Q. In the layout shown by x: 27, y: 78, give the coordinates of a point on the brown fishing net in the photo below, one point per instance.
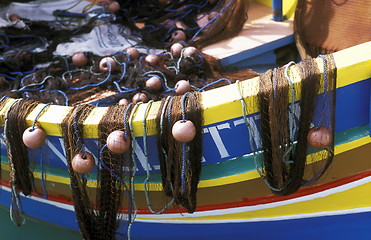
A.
x: 72, y: 130
x: 101, y: 218
x: 327, y: 26
x: 173, y: 154
x: 31, y: 69
x: 200, y: 23
x: 20, y: 173
x: 113, y: 192
x: 285, y: 125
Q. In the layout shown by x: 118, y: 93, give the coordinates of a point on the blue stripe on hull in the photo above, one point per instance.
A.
x: 339, y: 227
x: 45, y: 212
x: 349, y: 226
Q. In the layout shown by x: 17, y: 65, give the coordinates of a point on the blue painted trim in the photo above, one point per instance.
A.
x: 242, y: 56
x: 262, y: 59
x: 277, y: 10
x: 338, y: 227
x: 341, y: 227
x: 353, y: 105
x: 228, y: 139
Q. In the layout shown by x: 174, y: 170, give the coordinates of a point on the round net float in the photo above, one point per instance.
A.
x: 211, y: 15
x: 106, y: 63
x: 183, y: 131
x: 190, y: 51
x: 14, y: 17
x: 176, y: 49
x: 319, y: 137
x: 182, y: 86
x: 83, y: 164
x: 152, y: 59
x: 117, y: 143
x: 154, y: 83
x: 113, y: 6
x: 178, y: 35
x: 140, y: 97
x: 132, y: 52
x: 124, y: 102
x: 164, y: 2
x: 168, y: 24
x: 34, y: 138
x: 79, y: 59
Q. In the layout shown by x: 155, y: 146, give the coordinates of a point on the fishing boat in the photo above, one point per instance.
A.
x: 236, y: 197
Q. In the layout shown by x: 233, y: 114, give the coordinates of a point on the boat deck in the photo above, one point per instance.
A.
x: 257, y: 41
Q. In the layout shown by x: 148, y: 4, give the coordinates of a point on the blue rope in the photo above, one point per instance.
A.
x: 183, y: 106
x: 169, y: 110
x: 27, y: 89
x: 45, y: 196
x: 325, y: 83
x: 7, y: 76
x: 24, y: 78
x: 212, y: 20
x: 251, y: 137
x: 109, y: 169
x: 123, y: 64
x: 23, y: 73
x: 63, y: 94
x: 161, y: 26
x: 215, y: 82
x: 187, y: 6
x: 160, y: 75
x: 292, y: 121
x: 93, y: 84
x: 163, y: 110
x: 126, y: 119
x: 146, y: 181
x: 324, y: 73
x: 2, y: 98
x: 132, y: 186
x: 184, y: 146
x: 275, y: 83
x: 42, y: 40
x: 39, y: 114
x: 80, y: 143
x: 292, y: 105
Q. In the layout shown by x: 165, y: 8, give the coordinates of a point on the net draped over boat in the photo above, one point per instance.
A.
x: 287, y: 126
x: 27, y: 73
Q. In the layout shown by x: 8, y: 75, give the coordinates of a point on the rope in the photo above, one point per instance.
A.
x: 185, y: 147
x: 80, y: 143
x: 251, y: 137
x: 39, y: 114
x: 15, y: 199
x: 132, y: 187
x: 146, y: 181
x: 45, y: 196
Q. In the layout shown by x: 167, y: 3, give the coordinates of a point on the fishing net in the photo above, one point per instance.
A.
x: 180, y: 162
x: 199, y: 23
x: 287, y: 125
x: 139, y: 41
x: 327, y: 26
x: 35, y: 63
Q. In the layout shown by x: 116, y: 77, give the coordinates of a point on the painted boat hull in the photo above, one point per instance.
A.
x: 233, y: 202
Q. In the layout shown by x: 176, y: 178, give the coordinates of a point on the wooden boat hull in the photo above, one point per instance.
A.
x: 233, y: 202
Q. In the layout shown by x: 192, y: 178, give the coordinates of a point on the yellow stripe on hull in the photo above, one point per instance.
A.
x: 205, y: 183
x: 349, y: 196
x: 220, y: 104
